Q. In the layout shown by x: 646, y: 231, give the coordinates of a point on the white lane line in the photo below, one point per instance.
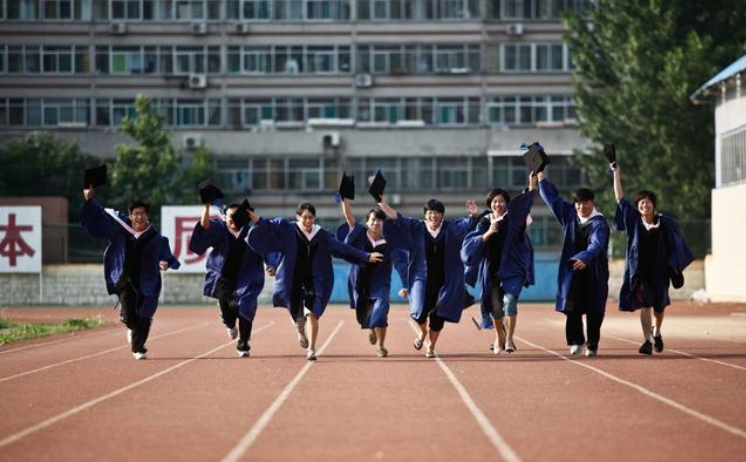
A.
x: 674, y: 404
x: 100, y: 353
x: 72, y: 337
x: 53, y: 420
x: 683, y: 353
x: 251, y: 436
x: 502, y: 446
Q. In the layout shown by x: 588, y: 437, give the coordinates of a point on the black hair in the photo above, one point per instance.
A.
x: 232, y: 205
x: 378, y: 213
x: 494, y: 193
x: 305, y: 206
x: 583, y: 195
x: 139, y: 204
x: 435, y: 205
x: 645, y: 194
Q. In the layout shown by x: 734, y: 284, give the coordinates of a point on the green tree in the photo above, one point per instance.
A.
x: 42, y: 165
x: 151, y: 169
x: 636, y: 62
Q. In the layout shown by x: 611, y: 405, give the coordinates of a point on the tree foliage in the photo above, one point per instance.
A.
x: 151, y: 169
x: 636, y: 62
x: 42, y: 165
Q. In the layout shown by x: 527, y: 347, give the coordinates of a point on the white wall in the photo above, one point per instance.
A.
x: 725, y: 269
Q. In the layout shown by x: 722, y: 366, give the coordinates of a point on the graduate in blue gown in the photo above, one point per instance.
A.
x: 132, y: 261
x: 435, y: 283
x: 305, y: 276
x: 657, y: 254
x: 369, y: 284
x: 501, y: 248
x: 583, y: 280
x: 235, y: 273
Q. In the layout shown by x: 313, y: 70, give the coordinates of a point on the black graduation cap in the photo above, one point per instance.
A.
x: 347, y: 187
x: 94, y: 177
x: 610, y: 153
x: 208, y: 192
x: 536, y: 159
x: 241, y: 215
x: 377, y: 186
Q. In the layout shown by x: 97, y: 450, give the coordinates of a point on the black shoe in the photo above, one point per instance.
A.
x: 646, y: 348
x: 658, y: 343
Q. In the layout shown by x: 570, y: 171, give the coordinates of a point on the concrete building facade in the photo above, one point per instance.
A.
x: 438, y: 94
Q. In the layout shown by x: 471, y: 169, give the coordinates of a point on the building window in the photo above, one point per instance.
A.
x: 526, y: 110
x: 733, y: 151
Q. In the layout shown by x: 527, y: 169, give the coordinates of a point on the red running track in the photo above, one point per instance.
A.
x: 82, y: 397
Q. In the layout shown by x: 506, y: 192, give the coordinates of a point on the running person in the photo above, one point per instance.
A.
x: 502, y: 250
x: 235, y: 273
x: 132, y: 260
x: 369, y: 285
x: 583, y: 279
x: 305, y: 276
x: 656, y: 256
x: 435, y: 285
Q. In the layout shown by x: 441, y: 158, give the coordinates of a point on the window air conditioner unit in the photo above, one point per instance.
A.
x: 192, y: 142
x: 197, y: 81
x: 199, y: 28
x: 119, y: 28
x: 242, y: 28
x: 331, y: 140
x: 515, y: 29
x: 363, y: 80
x: 460, y: 70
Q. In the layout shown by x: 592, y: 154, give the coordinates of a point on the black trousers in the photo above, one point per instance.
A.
x: 229, y: 313
x: 574, y: 328
x: 130, y: 300
x: 302, y: 296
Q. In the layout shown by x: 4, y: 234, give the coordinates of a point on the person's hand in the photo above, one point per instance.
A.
x: 253, y: 216
x: 403, y: 293
x: 533, y: 181
x: 271, y: 270
x: 375, y: 257
x: 541, y: 175
x: 163, y: 265
x: 88, y: 194
x: 472, y: 207
x: 494, y: 227
x: 578, y: 265
x: 614, y: 167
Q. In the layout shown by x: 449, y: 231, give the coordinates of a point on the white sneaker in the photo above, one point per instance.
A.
x: 590, y: 353
x: 243, y: 354
x: 430, y: 353
x: 232, y: 332
x: 576, y: 349
x: 311, y: 355
x: 139, y: 356
x: 510, y: 346
x: 129, y: 336
x: 495, y: 348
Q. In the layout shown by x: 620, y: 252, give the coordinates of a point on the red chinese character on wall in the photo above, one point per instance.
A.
x: 13, y: 245
x: 183, y: 227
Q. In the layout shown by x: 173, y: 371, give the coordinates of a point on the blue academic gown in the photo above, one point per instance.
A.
x: 380, y: 279
x: 278, y: 236
x: 673, y: 255
x: 595, y: 256
x: 250, y: 278
x: 409, y: 233
x: 517, y: 258
x: 102, y: 225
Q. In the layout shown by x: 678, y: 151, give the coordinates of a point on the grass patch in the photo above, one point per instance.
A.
x: 11, y: 331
